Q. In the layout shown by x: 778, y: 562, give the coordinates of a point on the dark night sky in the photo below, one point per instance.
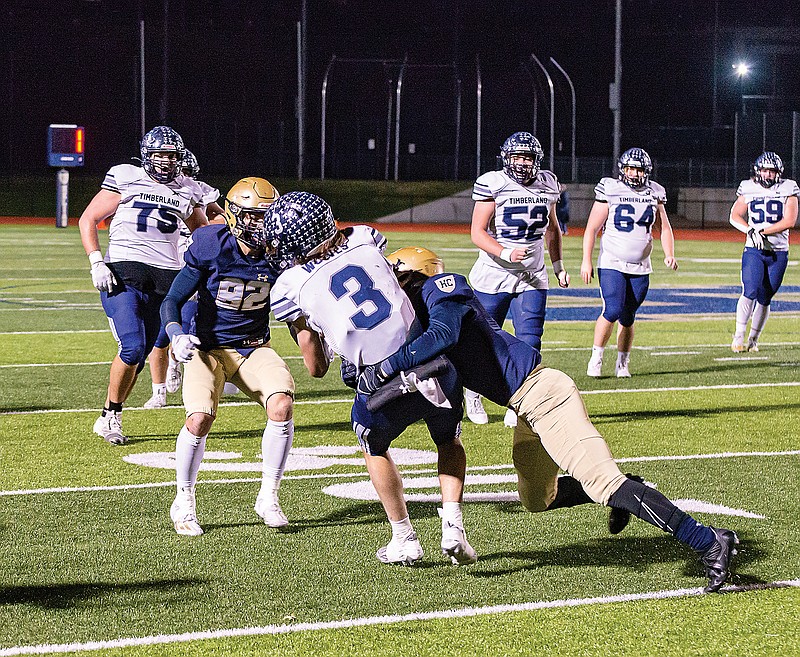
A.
x: 232, y: 73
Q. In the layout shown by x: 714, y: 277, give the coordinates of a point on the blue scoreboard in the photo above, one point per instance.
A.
x: 65, y: 145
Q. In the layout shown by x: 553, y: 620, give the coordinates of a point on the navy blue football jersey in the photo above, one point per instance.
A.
x: 233, y: 295
x: 489, y: 360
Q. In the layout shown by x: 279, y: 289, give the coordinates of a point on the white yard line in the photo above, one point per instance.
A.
x: 363, y: 473
x: 367, y: 621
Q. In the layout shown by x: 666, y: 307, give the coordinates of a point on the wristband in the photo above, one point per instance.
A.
x: 505, y: 254
x: 558, y: 267
x: 95, y: 257
x: 173, y: 329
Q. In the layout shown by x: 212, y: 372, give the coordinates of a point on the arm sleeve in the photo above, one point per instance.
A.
x: 443, y: 332
x: 184, y: 286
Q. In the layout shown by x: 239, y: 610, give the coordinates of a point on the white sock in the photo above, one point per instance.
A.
x: 275, y: 445
x: 623, y: 357
x: 451, y: 511
x: 760, y: 315
x: 597, y: 352
x: 189, y: 450
x: 159, y: 388
x: 744, y: 309
x: 401, y: 528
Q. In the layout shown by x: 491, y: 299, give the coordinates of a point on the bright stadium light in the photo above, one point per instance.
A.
x: 741, y: 69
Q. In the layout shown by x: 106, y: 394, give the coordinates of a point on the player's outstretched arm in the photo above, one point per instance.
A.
x: 315, y: 354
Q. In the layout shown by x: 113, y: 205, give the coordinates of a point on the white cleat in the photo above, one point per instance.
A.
x: 158, y: 400
x: 109, y: 428
x: 269, y: 509
x: 622, y: 370
x: 474, y: 408
x: 595, y: 368
x: 752, y: 345
x: 404, y: 551
x: 174, y: 375
x: 737, y: 346
x: 455, y: 545
x: 183, y: 515
x: 510, y: 419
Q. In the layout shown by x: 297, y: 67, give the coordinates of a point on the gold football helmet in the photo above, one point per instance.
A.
x: 245, y: 205
x: 416, y: 258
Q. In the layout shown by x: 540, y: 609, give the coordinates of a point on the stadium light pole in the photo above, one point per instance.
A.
x: 552, y: 109
x: 574, y: 161
x: 615, y: 95
x: 479, y: 94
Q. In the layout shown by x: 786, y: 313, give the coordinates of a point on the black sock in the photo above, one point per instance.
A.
x: 569, y: 493
x: 648, y: 504
x: 116, y: 407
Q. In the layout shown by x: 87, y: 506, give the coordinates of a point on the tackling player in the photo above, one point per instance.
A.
x: 514, y: 217
x: 227, y: 266
x: 146, y: 204
x: 348, y: 293
x: 627, y: 210
x: 765, y: 210
x: 554, y: 431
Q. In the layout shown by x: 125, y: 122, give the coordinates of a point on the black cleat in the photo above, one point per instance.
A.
x: 716, y: 560
x: 618, y: 519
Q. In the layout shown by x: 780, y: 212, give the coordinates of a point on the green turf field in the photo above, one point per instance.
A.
x: 89, y: 560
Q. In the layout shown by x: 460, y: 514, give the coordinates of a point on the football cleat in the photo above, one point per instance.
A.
x: 622, y: 369
x: 109, y: 427
x: 752, y: 345
x: 455, y: 545
x: 174, y: 375
x: 268, y: 507
x: 183, y: 514
x: 595, y: 368
x: 158, y: 400
x: 510, y: 419
x: 404, y: 551
x: 618, y: 519
x: 716, y: 560
x: 737, y: 346
x: 474, y: 408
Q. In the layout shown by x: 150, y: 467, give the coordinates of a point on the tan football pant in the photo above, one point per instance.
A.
x: 554, y: 431
x: 262, y: 374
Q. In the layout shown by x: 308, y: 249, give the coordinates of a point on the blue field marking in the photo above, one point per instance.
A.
x: 668, y: 301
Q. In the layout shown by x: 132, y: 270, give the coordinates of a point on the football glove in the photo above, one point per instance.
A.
x: 102, y: 277
x: 349, y: 374
x: 183, y: 347
x: 759, y: 240
x: 371, y: 379
x: 561, y: 273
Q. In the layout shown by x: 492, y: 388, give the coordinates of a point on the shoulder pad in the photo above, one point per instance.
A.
x: 206, y: 245
x: 548, y: 180
x: 446, y: 287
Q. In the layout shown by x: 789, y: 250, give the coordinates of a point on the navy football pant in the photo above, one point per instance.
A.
x: 762, y: 273
x: 622, y: 294
x: 527, y: 312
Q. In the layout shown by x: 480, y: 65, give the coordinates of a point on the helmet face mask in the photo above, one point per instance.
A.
x: 162, y: 149
x: 635, y: 167
x: 298, y: 227
x: 768, y: 161
x: 522, y: 156
x: 245, y: 206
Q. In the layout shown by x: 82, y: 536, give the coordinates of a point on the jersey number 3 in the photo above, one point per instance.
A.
x: 363, y: 293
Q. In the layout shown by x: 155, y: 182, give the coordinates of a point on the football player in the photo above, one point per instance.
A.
x: 165, y: 371
x: 227, y: 267
x: 513, y: 219
x: 147, y: 204
x: 765, y: 210
x: 343, y: 285
x: 627, y: 210
x: 553, y: 431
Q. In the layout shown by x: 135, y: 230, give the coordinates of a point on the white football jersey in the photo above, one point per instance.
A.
x: 350, y: 296
x: 145, y: 228
x: 210, y: 195
x: 520, y: 220
x: 765, y: 206
x: 628, y: 231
